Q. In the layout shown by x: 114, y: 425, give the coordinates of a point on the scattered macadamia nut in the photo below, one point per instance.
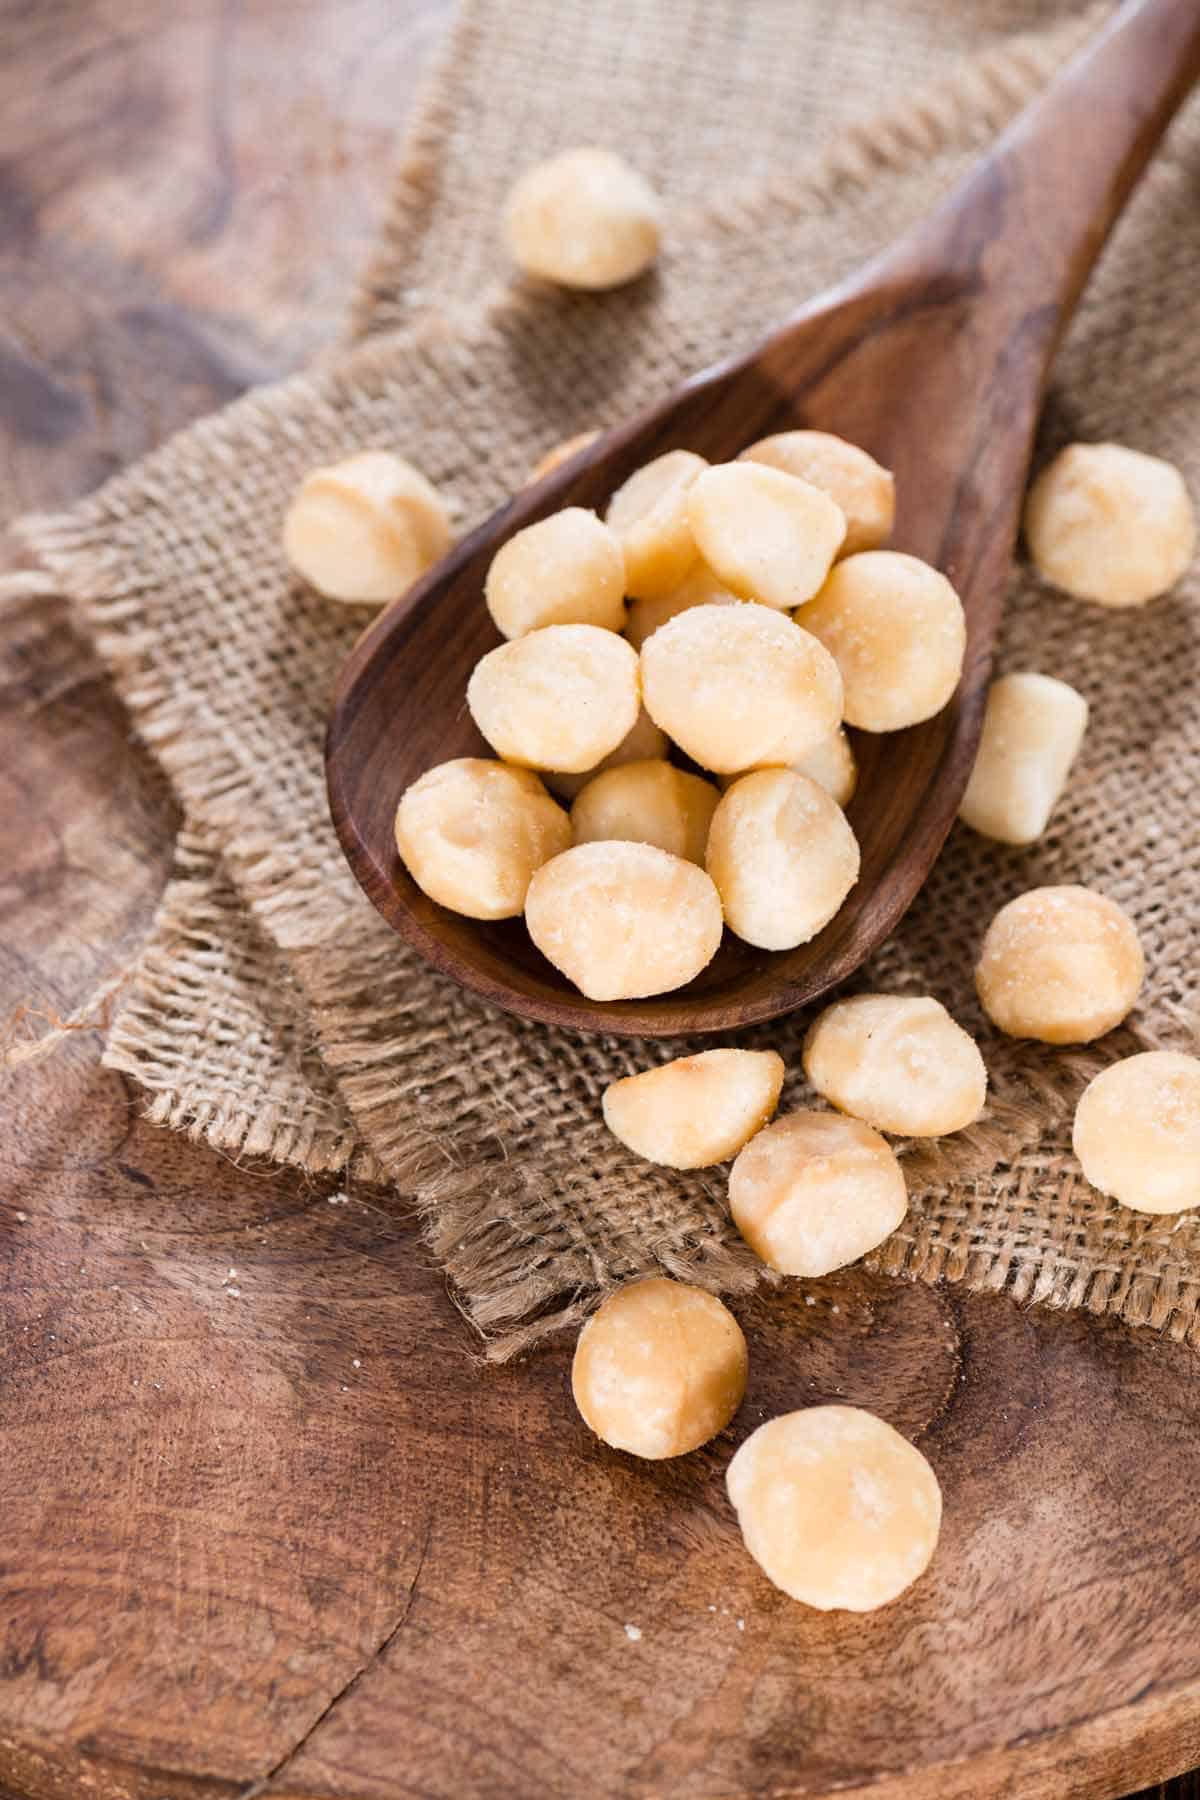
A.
x: 1062, y: 964
x: 1137, y: 1132
x: 740, y: 687
x: 363, y: 530
x: 1109, y: 524
x: 854, y: 481
x: 645, y: 741
x: 564, y: 570
x: 559, y: 698
x: 767, y: 535
x: 899, y: 1062
x: 623, y: 921
x: 700, y: 588
x: 783, y: 857
x: 1032, y: 729
x: 659, y: 1368
x: 471, y: 833
x: 815, y: 1191
x: 835, y: 1507
x: 649, y: 515
x: 584, y: 219
x: 896, y: 630
x: 697, y: 1110
x: 647, y: 803
x: 558, y: 454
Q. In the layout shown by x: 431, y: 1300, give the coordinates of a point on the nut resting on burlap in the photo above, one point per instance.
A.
x: 227, y: 663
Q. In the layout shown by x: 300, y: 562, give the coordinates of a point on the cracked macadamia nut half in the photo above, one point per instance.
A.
x: 561, y: 697
x: 1109, y: 524
x: 697, y: 1110
x: 564, y: 570
x: 854, y: 481
x: 1137, y: 1131
x: 1062, y: 964
x: 364, y: 529
x: 647, y: 803
x: 584, y: 219
x: 659, y: 1369
x: 1032, y: 729
x: 471, y: 833
x: 783, y: 857
x: 649, y: 515
x: 766, y: 535
x: 900, y: 1062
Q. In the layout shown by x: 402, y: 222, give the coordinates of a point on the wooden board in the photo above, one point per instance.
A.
x: 277, y: 1533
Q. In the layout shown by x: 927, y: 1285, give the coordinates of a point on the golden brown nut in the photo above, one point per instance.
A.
x: 767, y: 535
x: 865, y: 491
x: 559, y: 698
x: 584, y: 219
x: 898, y: 1061
x: 647, y: 803
x: 564, y: 570
x: 364, y: 529
x: 1109, y: 524
x: 649, y: 515
x: 1137, y: 1131
x: 659, y: 1369
x: 643, y: 742
x: 1062, y: 964
x: 471, y: 833
x: 1032, y: 730
x: 815, y: 1191
x: 696, y: 1110
x: 700, y: 588
x: 783, y: 857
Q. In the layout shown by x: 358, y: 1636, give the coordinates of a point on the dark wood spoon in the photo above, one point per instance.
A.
x: 935, y: 359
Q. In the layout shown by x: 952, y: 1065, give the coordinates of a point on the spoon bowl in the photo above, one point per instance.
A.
x: 934, y: 358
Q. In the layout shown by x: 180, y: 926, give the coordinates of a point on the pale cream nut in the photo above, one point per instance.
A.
x: 767, y: 535
x: 471, y: 833
x: 584, y: 219
x: 854, y: 481
x: 1110, y: 524
x: 900, y: 1062
x: 644, y: 741
x: 697, y: 1110
x: 623, y: 921
x: 895, y: 627
x: 649, y: 515
x: 1137, y: 1131
x: 1032, y: 729
x: 558, y: 454
x: 831, y: 765
x: 659, y: 1368
x: 835, y: 1507
x: 647, y: 803
x: 364, y: 529
x: 699, y: 588
x: 559, y: 698
x: 783, y: 857
x: 740, y: 687
x: 815, y: 1191
x: 1062, y: 964
x: 567, y: 569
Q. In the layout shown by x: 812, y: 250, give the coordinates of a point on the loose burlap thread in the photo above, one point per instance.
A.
x: 275, y: 1013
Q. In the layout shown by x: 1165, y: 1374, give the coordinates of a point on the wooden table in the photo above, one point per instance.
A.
x: 277, y: 1533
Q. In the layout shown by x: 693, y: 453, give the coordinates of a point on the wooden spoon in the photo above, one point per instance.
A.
x: 935, y: 359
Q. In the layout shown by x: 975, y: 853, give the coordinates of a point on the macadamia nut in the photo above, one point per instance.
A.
x: 559, y: 698
x: 659, y: 1369
x: 583, y: 218
x: 1032, y: 730
x: 854, y: 481
x: 1061, y: 964
x: 767, y: 535
x: 564, y: 570
x: 898, y: 1062
x: 649, y: 515
x: 896, y: 630
x: 835, y: 1507
x: 697, y: 1110
x: 623, y: 921
x: 815, y: 1191
x: 700, y: 588
x: 739, y: 687
x: 471, y: 833
x: 1109, y: 524
x: 558, y: 454
x: 363, y: 530
x: 647, y: 803
x: 643, y: 742
x: 831, y: 765
x: 1137, y: 1131
x: 783, y: 858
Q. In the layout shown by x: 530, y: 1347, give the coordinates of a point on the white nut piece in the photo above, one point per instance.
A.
x: 559, y: 698
x: 564, y: 570
x: 643, y: 742
x: 1110, y: 524
x: 659, y: 1368
x: 363, y: 530
x: 740, y: 687
x: 1062, y: 964
x: 863, y: 488
x: 895, y: 627
x: 471, y: 833
x: 558, y: 454
x: 647, y: 803
x: 767, y: 535
x: 1137, y: 1131
x: 623, y: 921
x: 815, y: 1191
x: 584, y: 219
x: 899, y: 1062
x: 697, y: 1110
x: 783, y: 857
x: 831, y: 765
x: 699, y: 588
x: 1032, y: 729
x: 835, y: 1507
x: 649, y: 515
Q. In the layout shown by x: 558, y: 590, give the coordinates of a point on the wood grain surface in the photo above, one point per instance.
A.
x: 266, y: 1527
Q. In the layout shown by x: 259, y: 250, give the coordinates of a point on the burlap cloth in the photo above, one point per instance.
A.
x: 272, y: 1012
